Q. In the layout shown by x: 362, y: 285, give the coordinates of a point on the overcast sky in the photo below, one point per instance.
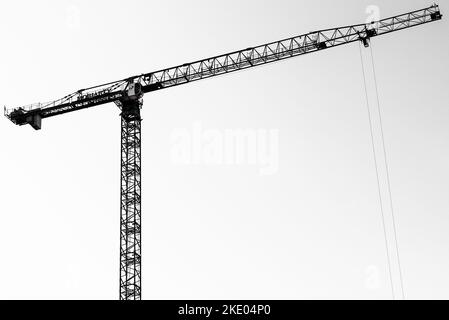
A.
x: 310, y: 229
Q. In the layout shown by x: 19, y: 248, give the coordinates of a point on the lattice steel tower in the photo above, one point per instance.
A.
x: 128, y: 95
x: 131, y: 199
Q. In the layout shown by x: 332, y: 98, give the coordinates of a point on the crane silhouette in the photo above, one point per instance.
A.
x: 128, y: 94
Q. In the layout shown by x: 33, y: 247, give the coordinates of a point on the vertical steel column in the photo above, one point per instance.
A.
x: 130, y: 208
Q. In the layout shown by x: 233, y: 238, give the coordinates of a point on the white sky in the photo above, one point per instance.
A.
x: 312, y: 230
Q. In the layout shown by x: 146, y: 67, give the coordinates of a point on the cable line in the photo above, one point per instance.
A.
x: 377, y: 173
x: 387, y: 168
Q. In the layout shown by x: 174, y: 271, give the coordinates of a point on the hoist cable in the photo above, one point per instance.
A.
x: 387, y: 168
x: 377, y: 173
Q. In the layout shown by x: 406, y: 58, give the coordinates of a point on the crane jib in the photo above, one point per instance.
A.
x: 218, y: 65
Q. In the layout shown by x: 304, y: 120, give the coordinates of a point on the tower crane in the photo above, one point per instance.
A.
x: 128, y: 94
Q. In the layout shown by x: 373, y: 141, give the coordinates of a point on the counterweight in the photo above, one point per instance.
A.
x: 128, y: 94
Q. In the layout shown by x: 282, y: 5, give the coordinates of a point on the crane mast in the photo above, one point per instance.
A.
x: 130, y: 200
x: 128, y: 94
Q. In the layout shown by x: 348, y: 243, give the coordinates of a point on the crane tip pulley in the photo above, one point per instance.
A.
x: 436, y: 15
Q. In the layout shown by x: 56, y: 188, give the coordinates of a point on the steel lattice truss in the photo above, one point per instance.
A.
x: 130, y: 215
x: 235, y: 61
x: 127, y: 94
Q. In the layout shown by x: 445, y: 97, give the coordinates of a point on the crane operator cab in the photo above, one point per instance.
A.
x: 132, y: 102
x: 134, y: 91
